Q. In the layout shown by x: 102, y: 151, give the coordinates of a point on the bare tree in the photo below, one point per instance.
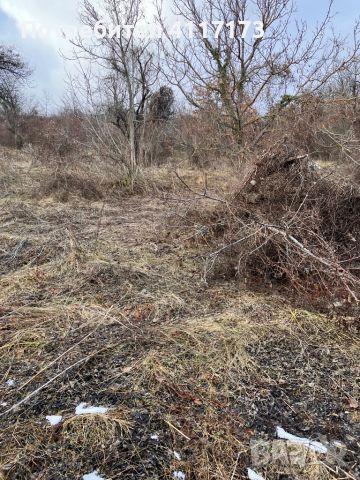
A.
x: 346, y: 84
x: 119, y: 71
x: 11, y: 108
x: 243, y: 69
x: 13, y: 75
x: 12, y: 65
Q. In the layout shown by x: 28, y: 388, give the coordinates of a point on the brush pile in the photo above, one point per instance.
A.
x: 290, y: 224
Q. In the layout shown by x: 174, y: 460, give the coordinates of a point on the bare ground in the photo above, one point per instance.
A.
x: 101, y: 303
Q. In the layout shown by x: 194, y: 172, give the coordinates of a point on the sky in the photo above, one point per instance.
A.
x: 19, y: 18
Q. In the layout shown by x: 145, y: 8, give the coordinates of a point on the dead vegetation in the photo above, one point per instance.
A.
x: 101, y: 303
x: 289, y: 223
x: 179, y: 250
x: 62, y: 184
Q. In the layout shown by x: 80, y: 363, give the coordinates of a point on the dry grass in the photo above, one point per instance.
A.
x: 90, y: 178
x: 101, y: 431
x: 209, y: 368
x: 100, y: 305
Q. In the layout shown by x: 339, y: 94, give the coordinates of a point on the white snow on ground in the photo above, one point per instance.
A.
x: 54, y: 419
x: 253, y: 475
x: 11, y: 383
x: 93, y: 476
x: 84, y: 409
x: 177, y: 455
x: 178, y: 475
x: 316, y: 446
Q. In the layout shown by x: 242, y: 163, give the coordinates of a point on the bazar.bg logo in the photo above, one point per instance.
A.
x: 246, y: 29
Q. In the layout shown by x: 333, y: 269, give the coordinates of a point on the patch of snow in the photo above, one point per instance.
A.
x: 253, y: 475
x: 178, y: 475
x: 338, y: 444
x: 177, y: 455
x: 312, y: 445
x: 154, y: 436
x: 84, y: 409
x: 93, y: 476
x: 54, y: 419
x: 11, y: 383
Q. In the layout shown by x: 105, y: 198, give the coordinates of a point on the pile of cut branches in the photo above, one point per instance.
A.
x: 290, y: 223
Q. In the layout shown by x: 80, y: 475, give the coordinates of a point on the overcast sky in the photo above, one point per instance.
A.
x: 43, y: 52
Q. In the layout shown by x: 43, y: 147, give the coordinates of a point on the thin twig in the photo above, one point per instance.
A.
x: 39, y: 389
x: 57, y: 359
x: 177, y: 430
x: 235, y: 467
x: 194, y: 192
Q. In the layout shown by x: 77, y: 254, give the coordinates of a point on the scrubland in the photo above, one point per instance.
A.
x: 147, y: 304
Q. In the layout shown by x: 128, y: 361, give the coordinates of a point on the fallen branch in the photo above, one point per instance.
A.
x: 338, y: 269
x: 194, y: 192
x: 42, y: 387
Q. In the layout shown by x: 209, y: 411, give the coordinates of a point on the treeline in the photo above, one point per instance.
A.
x: 218, y: 91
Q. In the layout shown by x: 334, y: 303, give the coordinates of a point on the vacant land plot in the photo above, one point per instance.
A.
x: 103, y: 304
